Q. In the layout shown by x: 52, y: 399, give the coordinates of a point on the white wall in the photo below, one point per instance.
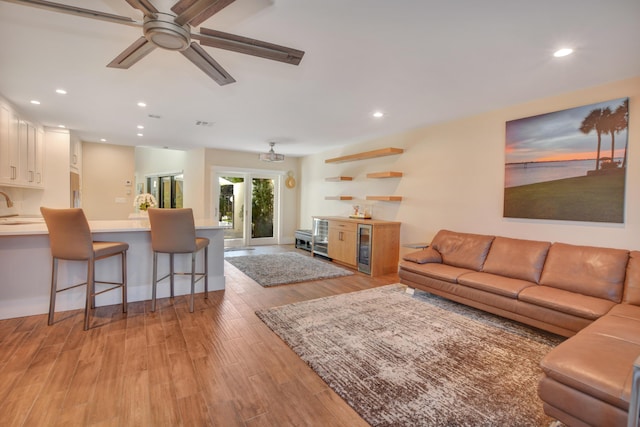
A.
x: 154, y: 161
x: 195, y: 182
x: 454, y: 177
x: 106, y: 170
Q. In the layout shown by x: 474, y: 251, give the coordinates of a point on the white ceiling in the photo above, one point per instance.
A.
x: 419, y: 61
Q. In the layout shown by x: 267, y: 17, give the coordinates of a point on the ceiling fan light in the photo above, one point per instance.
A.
x: 161, y: 31
x: 272, y: 156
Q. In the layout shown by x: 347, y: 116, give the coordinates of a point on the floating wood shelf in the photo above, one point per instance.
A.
x: 386, y: 198
x: 338, y: 198
x: 390, y: 151
x: 339, y: 178
x: 389, y: 174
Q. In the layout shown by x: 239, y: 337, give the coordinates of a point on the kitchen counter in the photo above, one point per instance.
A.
x: 25, y: 265
x: 26, y: 226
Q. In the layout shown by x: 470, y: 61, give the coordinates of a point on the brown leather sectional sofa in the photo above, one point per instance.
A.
x: 589, y: 294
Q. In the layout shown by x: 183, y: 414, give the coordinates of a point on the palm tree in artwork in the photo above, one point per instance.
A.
x: 609, y: 126
x: 594, y: 121
x: 621, y: 122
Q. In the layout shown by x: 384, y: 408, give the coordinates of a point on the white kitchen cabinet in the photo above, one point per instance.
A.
x: 21, y: 151
x: 9, y: 148
x: 39, y: 161
x: 75, y: 154
x: 30, y: 162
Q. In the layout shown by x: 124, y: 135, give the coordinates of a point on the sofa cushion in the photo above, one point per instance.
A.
x: 520, y: 259
x: 632, y: 281
x: 619, y: 327
x: 568, y: 302
x: 462, y: 249
x: 626, y: 310
x: 437, y: 271
x: 423, y: 256
x: 597, y: 272
x: 500, y: 285
x: 596, y: 364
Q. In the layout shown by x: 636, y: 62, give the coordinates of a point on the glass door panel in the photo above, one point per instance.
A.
x: 167, y: 189
x: 264, y: 209
x: 231, y: 207
x: 261, y: 208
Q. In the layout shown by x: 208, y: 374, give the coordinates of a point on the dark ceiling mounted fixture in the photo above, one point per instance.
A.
x: 272, y: 156
x: 170, y: 27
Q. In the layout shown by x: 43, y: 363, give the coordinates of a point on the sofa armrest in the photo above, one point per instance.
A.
x: 634, y: 403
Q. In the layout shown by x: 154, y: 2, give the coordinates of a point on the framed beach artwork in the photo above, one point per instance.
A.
x: 568, y: 165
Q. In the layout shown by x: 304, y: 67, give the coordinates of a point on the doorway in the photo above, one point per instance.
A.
x: 168, y: 189
x: 247, y: 204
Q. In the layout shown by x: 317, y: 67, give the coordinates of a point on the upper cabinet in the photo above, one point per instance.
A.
x: 9, y: 150
x: 75, y: 154
x: 21, y: 151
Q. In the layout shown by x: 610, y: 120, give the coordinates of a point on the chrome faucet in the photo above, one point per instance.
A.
x: 6, y: 196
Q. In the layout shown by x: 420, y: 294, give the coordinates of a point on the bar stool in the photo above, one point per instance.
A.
x: 173, y: 232
x: 70, y: 240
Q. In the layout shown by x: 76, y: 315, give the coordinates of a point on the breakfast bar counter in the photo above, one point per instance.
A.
x: 25, y: 265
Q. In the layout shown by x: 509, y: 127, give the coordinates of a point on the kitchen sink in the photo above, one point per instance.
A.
x: 20, y: 220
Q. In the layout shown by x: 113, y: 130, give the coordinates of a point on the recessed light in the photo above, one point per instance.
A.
x: 140, y: 127
x: 140, y: 134
x: 35, y: 102
x: 61, y: 91
x: 142, y: 104
x: 563, y: 52
x: 103, y: 140
x: 61, y: 126
x: 378, y: 114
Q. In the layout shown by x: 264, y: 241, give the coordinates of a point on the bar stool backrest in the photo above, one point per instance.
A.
x: 69, y: 234
x: 172, y: 230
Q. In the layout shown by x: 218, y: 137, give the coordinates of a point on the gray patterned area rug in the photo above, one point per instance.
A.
x: 418, y: 361
x: 284, y: 268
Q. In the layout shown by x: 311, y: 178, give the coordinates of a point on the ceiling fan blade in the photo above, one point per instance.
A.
x: 195, y: 12
x: 248, y: 46
x: 206, y: 63
x: 134, y: 53
x: 145, y: 6
x: 78, y: 11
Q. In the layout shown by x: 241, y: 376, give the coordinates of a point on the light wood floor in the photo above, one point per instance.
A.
x: 218, y: 366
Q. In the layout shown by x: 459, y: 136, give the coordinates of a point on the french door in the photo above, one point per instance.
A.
x: 247, y: 205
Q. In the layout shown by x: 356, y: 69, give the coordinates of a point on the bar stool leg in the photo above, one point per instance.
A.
x: 93, y: 297
x: 206, y: 271
x: 124, y: 281
x: 90, y: 291
x: 54, y: 288
x: 193, y: 281
x: 155, y: 281
x: 171, y: 273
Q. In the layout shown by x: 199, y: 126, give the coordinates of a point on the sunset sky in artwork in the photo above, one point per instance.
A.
x: 556, y: 137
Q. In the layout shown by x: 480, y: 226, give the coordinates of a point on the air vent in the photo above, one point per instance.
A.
x: 154, y: 116
x: 203, y: 123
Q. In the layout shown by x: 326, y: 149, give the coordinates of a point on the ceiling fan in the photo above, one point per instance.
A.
x: 169, y: 26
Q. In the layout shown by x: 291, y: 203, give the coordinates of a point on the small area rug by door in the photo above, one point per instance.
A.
x: 418, y: 361
x: 286, y: 267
